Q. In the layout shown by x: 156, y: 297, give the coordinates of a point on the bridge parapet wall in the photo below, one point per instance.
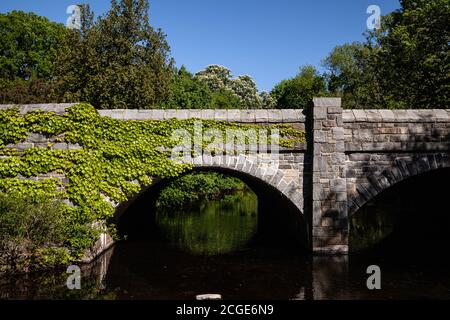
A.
x: 396, y: 130
x: 351, y: 155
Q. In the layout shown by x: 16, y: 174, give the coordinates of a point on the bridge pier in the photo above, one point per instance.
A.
x: 329, y: 185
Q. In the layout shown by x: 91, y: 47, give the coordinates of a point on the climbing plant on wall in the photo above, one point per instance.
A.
x: 110, y: 161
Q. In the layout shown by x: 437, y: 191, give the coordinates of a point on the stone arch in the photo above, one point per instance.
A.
x: 252, y: 166
x: 280, y: 202
x: 240, y: 166
x: 402, y: 168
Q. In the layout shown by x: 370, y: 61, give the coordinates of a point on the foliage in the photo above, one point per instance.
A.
x: 187, y: 92
x: 32, y: 231
x: 405, y: 64
x: 21, y: 91
x: 239, y: 93
x: 412, y: 55
x: 189, y: 189
x: 116, y: 160
x: 225, y: 99
x: 245, y: 88
x: 213, y: 227
x: 212, y: 88
x: 116, y: 61
x: 267, y: 101
x: 29, y: 46
x: 299, y: 91
x: 350, y: 75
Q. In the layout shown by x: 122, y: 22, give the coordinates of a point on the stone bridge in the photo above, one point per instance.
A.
x: 349, y: 157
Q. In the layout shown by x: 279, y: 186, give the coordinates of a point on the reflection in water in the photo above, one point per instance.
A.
x: 212, y: 227
x: 416, y: 217
x: 146, y: 270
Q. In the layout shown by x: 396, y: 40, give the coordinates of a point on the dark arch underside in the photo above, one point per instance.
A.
x: 411, y: 216
x: 280, y: 222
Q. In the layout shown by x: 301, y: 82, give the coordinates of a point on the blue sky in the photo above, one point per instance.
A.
x: 267, y: 39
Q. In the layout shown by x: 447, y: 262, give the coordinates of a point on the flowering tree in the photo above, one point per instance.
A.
x: 220, y: 79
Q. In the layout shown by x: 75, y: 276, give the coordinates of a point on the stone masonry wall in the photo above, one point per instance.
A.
x: 350, y: 157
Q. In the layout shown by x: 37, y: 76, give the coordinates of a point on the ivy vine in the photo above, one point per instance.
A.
x: 116, y: 159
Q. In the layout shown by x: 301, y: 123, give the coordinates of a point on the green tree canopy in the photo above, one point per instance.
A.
x: 352, y: 75
x: 299, y: 91
x: 187, y: 92
x: 413, y: 54
x: 29, y: 45
x: 404, y: 64
x: 116, y: 61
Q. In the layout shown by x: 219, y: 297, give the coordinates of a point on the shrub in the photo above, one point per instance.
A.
x: 32, y: 232
x: 193, y: 187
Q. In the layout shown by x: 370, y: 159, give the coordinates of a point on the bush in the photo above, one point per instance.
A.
x: 31, y: 232
x: 191, y: 188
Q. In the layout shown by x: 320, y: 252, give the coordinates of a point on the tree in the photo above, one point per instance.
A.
x: 245, y: 88
x: 117, y: 61
x: 267, y: 101
x: 413, y: 56
x: 299, y: 91
x: 351, y: 74
x: 225, y: 99
x: 241, y: 91
x: 29, y: 46
x: 404, y: 64
x: 216, y: 77
x: 187, y: 92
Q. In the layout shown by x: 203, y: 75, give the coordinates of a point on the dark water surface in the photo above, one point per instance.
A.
x: 212, y: 249
x: 160, y: 271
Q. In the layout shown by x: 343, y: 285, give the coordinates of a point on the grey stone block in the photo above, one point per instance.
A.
x: 170, y: 114
x: 320, y: 113
x: 248, y: 116
x: 277, y: 178
x: 360, y: 115
x: 338, y: 133
x: 234, y: 115
x: 334, y: 110
x: 36, y: 138
x: 442, y: 115
x: 60, y: 146
x: 373, y: 115
x: 181, y: 114
x: 261, y: 116
x: 207, y: 114
x: 348, y: 116
x: 130, y: 114
x: 194, y: 114
x: 221, y: 115
x: 289, y: 115
x: 387, y: 115
x: 327, y: 102
x: 114, y: 114
x: 144, y: 114
x: 21, y: 146
x: 274, y: 115
x: 74, y: 146
x: 158, y: 114
x: 338, y: 185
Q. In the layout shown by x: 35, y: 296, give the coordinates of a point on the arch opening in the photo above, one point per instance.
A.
x: 276, y: 223
x: 411, y: 217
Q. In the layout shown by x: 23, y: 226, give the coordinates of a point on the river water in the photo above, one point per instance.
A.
x: 210, y: 249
